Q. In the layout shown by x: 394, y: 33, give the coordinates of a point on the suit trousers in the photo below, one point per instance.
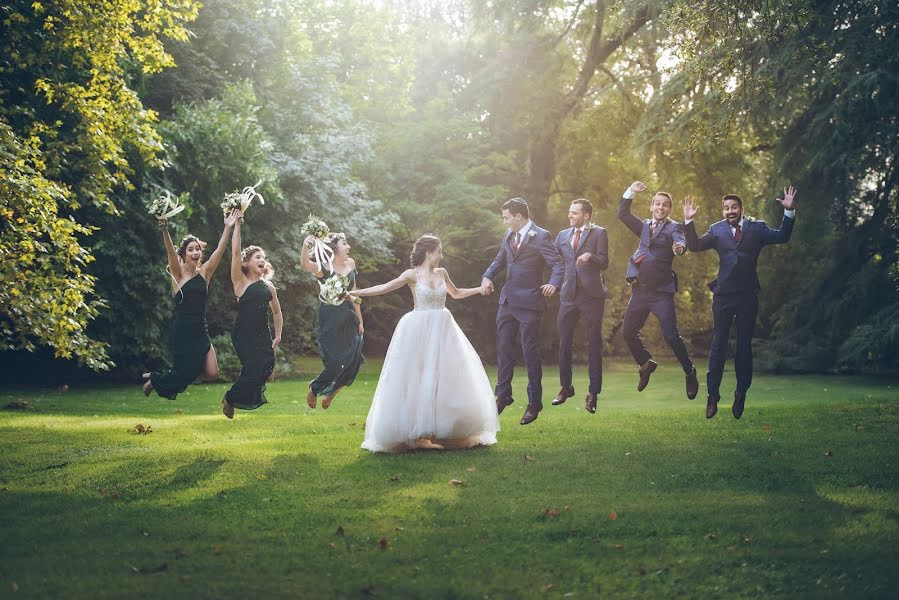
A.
x: 570, y: 313
x: 512, y: 322
x: 727, y: 309
x: 643, y: 302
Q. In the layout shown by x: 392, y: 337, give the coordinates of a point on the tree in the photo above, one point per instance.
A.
x: 69, y: 125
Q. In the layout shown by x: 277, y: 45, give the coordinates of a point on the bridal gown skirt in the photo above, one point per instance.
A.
x: 432, y: 386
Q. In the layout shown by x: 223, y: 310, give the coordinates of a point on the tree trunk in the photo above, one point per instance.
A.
x: 542, y: 160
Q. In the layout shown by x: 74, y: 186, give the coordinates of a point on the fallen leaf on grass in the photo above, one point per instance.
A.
x: 471, y: 469
x: 456, y: 482
x: 339, y: 530
x: 548, y: 587
x: 551, y: 512
x: 398, y: 529
x: 217, y: 548
x: 766, y: 428
x: 711, y: 536
x: 383, y: 543
x: 641, y: 570
x: 618, y: 546
x: 150, y: 571
x: 17, y: 406
x: 829, y: 454
x: 140, y: 429
x: 529, y: 458
x: 613, y: 516
x: 395, y: 478
x: 332, y: 545
x: 179, y: 411
x: 261, y: 477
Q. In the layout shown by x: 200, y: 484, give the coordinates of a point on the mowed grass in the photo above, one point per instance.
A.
x: 644, y: 499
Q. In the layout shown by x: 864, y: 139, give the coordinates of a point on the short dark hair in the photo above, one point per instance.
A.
x: 733, y: 197
x: 516, y: 206
x: 667, y: 195
x: 586, y: 206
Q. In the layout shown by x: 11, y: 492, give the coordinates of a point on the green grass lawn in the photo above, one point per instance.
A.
x: 646, y: 498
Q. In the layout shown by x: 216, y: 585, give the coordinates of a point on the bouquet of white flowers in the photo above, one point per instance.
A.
x: 165, y: 206
x: 334, y: 289
x: 241, y: 200
x: 320, y: 252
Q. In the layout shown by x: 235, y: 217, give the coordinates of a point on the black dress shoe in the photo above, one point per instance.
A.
x: 530, y: 414
x: 739, y: 403
x: 590, y: 402
x: 563, y: 395
x: 692, y: 384
x: 711, y: 406
x: 645, y: 371
x: 502, y: 403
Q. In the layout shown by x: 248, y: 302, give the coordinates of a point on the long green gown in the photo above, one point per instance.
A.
x: 190, y: 340
x: 339, y: 344
x: 252, y: 339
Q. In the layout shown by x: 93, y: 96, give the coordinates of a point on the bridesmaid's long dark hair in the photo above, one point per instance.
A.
x: 423, y: 245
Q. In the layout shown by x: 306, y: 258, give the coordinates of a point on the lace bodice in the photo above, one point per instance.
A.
x: 427, y: 298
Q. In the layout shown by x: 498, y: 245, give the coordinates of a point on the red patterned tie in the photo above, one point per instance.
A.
x: 652, y: 228
x: 516, y: 244
x: 737, y: 234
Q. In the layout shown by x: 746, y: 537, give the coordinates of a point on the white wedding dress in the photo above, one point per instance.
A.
x: 432, y: 386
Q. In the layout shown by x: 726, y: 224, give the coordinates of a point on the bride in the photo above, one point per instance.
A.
x: 433, y: 391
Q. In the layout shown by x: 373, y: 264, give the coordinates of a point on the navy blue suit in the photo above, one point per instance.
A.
x: 583, y: 294
x: 653, y: 284
x: 521, y: 306
x: 735, y: 290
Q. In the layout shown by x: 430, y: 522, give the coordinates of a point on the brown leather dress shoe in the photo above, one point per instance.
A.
x: 645, y: 371
x: 227, y: 409
x: 530, y: 414
x: 563, y: 395
x: 739, y: 404
x: 590, y: 402
x: 310, y: 398
x: 692, y: 384
x: 711, y: 406
x: 502, y: 403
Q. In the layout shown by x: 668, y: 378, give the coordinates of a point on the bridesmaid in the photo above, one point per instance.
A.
x: 251, y: 336
x: 338, y: 329
x: 192, y: 352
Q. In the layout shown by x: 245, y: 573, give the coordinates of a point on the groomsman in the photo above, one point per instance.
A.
x: 739, y: 241
x: 585, y: 253
x: 653, y: 283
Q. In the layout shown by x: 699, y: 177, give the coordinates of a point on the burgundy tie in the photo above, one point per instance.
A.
x: 516, y: 244
x: 737, y: 234
x: 577, y: 240
x: 652, y: 228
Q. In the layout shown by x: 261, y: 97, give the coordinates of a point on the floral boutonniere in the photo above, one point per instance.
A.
x: 532, y: 233
x: 589, y: 227
x: 748, y: 218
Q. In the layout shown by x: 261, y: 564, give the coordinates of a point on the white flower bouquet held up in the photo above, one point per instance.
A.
x: 320, y: 252
x: 165, y: 206
x: 241, y: 200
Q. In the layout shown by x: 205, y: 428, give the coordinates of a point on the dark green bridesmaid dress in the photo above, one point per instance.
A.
x: 339, y: 344
x: 190, y: 340
x: 252, y: 339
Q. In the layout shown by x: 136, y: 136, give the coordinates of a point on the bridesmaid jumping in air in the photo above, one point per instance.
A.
x: 338, y: 329
x: 253, y: 340
x: 192, y: 353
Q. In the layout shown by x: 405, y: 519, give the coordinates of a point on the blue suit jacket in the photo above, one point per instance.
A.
x: 737, y: 260
x: 524, y: 273
x: 595, y: 240
x: 655, y: 269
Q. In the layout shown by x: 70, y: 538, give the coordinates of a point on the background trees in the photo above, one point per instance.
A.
x: 392, y: 119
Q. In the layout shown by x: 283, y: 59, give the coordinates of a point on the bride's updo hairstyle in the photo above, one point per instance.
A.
x: 423, y: 245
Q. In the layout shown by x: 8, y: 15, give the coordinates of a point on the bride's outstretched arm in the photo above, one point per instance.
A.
x: 404, y: 278
x: 455, y: 292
